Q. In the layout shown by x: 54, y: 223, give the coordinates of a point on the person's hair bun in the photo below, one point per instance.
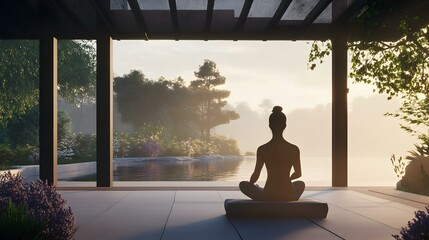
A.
x: 277, y: 109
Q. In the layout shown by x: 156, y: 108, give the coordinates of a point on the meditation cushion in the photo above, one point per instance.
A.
x: 303, y: 208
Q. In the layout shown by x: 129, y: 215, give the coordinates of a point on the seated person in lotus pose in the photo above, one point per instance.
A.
x: 279, y: 156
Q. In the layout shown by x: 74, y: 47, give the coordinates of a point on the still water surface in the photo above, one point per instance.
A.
x: 316, y: 171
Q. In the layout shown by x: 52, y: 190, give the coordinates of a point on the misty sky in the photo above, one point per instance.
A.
x: 260, y: 74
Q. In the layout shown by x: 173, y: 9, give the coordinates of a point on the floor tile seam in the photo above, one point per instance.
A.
x: 388, y: 203
x: 103, y: 211
x: 168, y: 217
x: 325, y: 228
x: 399, y: 197
x: 361, y: 215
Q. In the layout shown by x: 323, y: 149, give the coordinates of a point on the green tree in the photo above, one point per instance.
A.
x: 210, y: 101
x: 398, y: 69
x: 24, y: 129
x: 19, y: 75
x: 141, y: 100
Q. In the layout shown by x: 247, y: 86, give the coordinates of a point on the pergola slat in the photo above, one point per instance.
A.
x: 349, y: 12
x: 103, y: 16
x: 209, y: 15
x: 174, y: 16
x: 31, y: 11
x: 283, y: 6
x: 138, y: 15
x: 316, y: 11
x: 243, y: 15
x: 60, y: 5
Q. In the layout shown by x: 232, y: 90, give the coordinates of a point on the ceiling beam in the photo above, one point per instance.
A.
x: 30, y: 10
x: 350, y: 11
x: 60, y: 5
x: 209, y: 15
x: 316, y: 11
x: 283, y: 6
x: 138, y: 15
x: 174, y: 16
x: 243, y: 15
x: 100, y: 9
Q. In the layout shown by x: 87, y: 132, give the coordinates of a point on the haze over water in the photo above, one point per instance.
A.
x: 262, y: 74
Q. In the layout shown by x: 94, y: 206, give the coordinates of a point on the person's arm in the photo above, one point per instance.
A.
x: 296, y: 166
x: 258, y: 167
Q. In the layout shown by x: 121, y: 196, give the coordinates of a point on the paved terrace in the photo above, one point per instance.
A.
x: 194, y: 211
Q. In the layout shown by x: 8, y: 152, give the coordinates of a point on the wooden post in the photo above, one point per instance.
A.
x: 48, y: 46
x: 104, y: 111
x: 339, y: 111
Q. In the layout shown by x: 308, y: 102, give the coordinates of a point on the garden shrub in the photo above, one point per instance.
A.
x: 6, y: 154
x: 249, y: 154
x: 151, y: 149
x: 121, y: 145
x: 66, y: 150
x: 418, y: 229
x: 199, y: 147
x: 85, y: 147
x: 177, y: 148
x: 226, y: 146
x: 44, y: 204
x: 23, y: 154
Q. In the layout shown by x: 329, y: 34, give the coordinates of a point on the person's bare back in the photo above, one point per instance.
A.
x: 279, y: 157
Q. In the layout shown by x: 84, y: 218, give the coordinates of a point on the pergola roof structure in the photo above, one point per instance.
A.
x: 200, y: 19
x: 104, y: 20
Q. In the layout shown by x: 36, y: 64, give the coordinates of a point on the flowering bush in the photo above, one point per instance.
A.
x: 43, y: 204
x: 65, y: 149
x: 151, y: 149
x: 418, y: 229
x: 199, y: 147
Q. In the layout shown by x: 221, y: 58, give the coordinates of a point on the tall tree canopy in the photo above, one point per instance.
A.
x: 183, y: 110
x: 211, y: 101
x: 398, y: 69
x: 141, y: 100
x: 19, y: 75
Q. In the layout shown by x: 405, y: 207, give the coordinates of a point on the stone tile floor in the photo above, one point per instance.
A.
x: 190, y: 212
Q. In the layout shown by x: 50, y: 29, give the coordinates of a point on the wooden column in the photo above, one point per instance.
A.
x: 104, y: 111
x: 339, y: 111
x: 48, y: 108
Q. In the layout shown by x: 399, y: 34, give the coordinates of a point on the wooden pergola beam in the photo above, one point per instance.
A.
x: 209, y: 15
x: 339, y: 103
x: 174, y: 17
x: 60, y: 5
x: 138, y: 15
x: 283, y: 6
x: 348, y: 12
x: 243, y: 15
x: 48, y: 55
x: 104, y: 102
x: 103, y: 17
x: 316, y: 11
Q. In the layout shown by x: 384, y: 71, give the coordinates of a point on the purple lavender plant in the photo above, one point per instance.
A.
x: 44, y: 204
x: 12, y: 188
x: 418, y: 229
x: 151, y: 149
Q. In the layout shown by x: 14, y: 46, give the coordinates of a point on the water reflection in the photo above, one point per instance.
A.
x: 173, y: 170
x: 142, y: 169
